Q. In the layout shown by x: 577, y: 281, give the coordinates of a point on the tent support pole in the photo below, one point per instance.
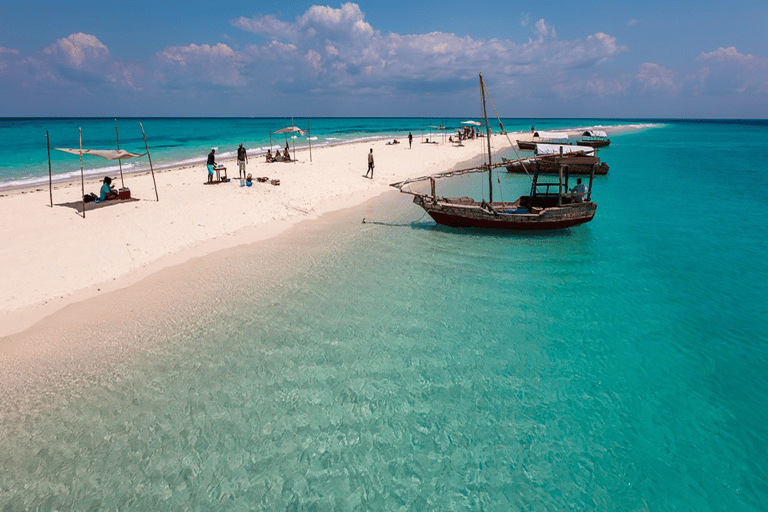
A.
x: 150, y: 161
x: 50, y: 179
x: 82, y: 176
x: 119, y: 162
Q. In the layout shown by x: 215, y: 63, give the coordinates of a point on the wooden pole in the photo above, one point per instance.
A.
x: 119, y: 162
x: 488, y: 136
x: 50, y: 178
x: 82, y: 176
x: 560, y: 178
x: 150, y: 160
x: 309, y: 138
x: 294, y: 141
x: 591, y: 177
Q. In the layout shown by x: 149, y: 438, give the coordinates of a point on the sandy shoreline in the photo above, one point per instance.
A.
x: 53, y: 257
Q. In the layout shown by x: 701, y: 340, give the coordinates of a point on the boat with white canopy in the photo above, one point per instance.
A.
x: 549, y: 205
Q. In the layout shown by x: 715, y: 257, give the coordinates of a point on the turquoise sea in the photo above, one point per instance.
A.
x: 397, y: 365
x: 181, y: 141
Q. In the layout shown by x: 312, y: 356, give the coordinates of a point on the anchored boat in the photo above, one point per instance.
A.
x: 549, y: 205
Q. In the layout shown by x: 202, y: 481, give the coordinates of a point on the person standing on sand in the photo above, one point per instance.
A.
x: 242, y: 158
x: 410, y: 139
x: 211, y: 164
x: 370, y: 165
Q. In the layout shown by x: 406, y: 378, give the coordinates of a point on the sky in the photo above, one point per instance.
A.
x: 619, y: 59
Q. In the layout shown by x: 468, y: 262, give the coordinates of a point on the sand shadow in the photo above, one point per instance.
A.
x: 78, y: 205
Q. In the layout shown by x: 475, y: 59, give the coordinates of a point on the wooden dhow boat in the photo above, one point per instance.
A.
x: 594, y: 139
x: 582, y: 160
x: 549, y: 205
x: 541, y: 137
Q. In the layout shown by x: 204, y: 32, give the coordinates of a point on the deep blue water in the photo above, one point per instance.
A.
x: 398, y: 365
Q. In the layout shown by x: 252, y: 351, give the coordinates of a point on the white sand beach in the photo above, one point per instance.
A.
x: 52, y: 257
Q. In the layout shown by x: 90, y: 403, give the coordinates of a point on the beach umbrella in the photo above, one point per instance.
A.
x: 286, y: 130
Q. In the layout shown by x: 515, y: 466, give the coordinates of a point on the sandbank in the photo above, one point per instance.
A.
x: 52, y: 257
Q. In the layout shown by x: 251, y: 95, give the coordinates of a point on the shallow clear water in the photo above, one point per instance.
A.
x: 619, y: 365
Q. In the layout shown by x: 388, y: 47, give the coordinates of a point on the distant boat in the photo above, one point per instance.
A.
x: 548, y: 206
x: 573, y: 159
x: 594, y: 139
x: 541, y: 137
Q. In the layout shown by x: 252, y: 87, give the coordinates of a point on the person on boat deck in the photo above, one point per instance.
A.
x: 579, y: 190
x: 211, y: 164
x: 107, y: 192
x: 269, y: 156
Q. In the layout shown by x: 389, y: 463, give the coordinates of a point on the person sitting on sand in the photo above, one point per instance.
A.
x: 579, y: 191
x: 270, y: 158
x: 107, y: 191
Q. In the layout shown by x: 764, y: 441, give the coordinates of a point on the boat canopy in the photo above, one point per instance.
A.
x: 551, y: 135
x: 595, y: 133
x: 554, y: 149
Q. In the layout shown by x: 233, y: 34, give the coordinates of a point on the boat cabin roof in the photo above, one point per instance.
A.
x: 551, y: 135
x: 595, y: 133
x: 554, y: 149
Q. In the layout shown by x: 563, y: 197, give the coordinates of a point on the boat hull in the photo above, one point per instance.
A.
x: 474, y: 215
x: 576, y: 165
x: 597, y: 143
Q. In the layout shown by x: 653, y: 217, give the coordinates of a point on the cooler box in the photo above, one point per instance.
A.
x: 124, y: 193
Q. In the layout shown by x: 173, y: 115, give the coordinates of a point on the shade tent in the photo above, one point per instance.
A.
x: 291, y: 129
x: 473, y: 123
x: 287, y: 130
x: 108, y: 154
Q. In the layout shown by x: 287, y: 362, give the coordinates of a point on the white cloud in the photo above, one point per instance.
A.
x: 730, y: 54
x: 729, y: 70
x: 347, y: 52
x: 218, y: 64
x: 78, y: 50
x: 654, y: 77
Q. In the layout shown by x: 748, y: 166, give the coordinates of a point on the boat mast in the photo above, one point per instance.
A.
x: 488, y: 138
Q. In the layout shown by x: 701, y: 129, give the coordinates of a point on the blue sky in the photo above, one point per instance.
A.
x: 396, y: 58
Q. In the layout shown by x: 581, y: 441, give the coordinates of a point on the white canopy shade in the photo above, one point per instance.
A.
x: 291, y: 129
x: 551, y: 135
x: 474, y: 123
x: 554, y: 149
x: 109, y: 154
x: 594, y: 133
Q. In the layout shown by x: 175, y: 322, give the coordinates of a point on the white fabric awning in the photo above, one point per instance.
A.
x: 109, y: 154
x: 473, y: 123
x: 595, y: 133
x: 551, y: 135
x: 291, y: 129
x: 554, y: 149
